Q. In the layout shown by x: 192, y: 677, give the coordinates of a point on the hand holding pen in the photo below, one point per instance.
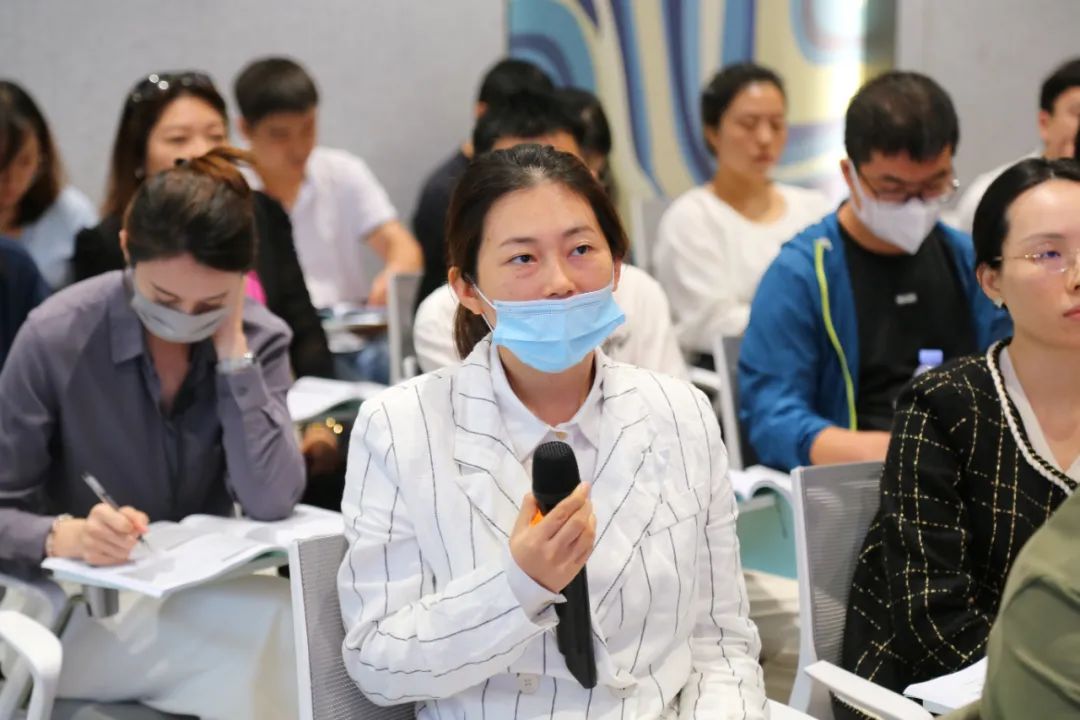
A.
x: 110, y: 531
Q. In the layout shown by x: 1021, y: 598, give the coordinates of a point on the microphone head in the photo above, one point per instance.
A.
x: 555, y: 470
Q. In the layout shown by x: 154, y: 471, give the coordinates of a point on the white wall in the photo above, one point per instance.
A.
x: 397, y: 77
x: 991, y: 56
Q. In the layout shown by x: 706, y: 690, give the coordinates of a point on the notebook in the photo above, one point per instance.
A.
x: 756, y: 478
x: 198, y: 549
x: 950, y: 692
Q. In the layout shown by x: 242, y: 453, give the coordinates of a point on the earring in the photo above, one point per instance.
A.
x: 999, y: 303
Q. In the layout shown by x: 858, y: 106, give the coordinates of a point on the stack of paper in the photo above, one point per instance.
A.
x: 198, y: 549
x: 950, y: 692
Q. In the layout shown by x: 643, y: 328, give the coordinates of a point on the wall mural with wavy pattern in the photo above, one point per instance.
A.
x: 647, y: 60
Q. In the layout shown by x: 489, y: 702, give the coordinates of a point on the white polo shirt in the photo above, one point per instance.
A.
x: 339, y: 204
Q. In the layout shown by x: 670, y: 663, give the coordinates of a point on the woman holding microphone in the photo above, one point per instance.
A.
x: 449, y: 586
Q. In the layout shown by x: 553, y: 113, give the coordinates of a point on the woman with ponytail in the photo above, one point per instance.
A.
x: 167, y: 384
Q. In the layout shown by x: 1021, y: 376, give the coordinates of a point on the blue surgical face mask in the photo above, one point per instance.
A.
x: 554, y: 335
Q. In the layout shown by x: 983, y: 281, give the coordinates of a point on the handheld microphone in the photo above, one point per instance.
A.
x: 555, y: 475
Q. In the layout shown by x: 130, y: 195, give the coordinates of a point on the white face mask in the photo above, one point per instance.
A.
x: 904, y: 225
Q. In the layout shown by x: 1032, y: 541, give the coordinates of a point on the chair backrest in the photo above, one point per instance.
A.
x: 726, y: 359
x: 645, y: 214
x: 326, y: 691
x: 834, y: 505
x: 401, y: 305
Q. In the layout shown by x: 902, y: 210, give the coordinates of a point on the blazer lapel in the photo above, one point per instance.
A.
x: 488, y: 471
x: 625, y: 495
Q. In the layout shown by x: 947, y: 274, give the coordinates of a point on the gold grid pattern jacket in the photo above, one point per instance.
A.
x: 962, y: 491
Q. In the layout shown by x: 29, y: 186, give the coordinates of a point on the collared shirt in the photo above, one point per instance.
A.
x: 81, y: 395
x: 526, y: 433
x: 339, y: 204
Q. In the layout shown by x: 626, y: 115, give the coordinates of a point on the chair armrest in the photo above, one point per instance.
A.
x: 865, y: 695
x: 45, y: 600
x: 43, y: 654
x: 708, y: 380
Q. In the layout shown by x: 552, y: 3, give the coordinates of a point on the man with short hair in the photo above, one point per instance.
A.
x: 333, y: 199
x: 841, y: 316
x: 504, y: 79
x: 1058, y: 118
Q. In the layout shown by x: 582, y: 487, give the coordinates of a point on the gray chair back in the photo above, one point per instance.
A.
x: 400, y: 307
x: 726, y: 360
x: 325, y: 689
x: 645, y: 214
x: 834, y: 506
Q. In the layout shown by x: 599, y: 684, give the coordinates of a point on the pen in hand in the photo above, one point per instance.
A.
x: 99, y: 491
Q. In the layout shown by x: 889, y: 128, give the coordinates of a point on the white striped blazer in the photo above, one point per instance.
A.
x: 432, y: 493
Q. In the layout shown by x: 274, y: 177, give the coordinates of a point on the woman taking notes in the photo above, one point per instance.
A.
x: 168, y: 386
x: 449, y: 585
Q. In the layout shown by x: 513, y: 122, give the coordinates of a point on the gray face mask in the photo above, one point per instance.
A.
x: 173, y: 325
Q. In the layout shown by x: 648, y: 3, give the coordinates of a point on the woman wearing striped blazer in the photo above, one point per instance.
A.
x: 448, y: 589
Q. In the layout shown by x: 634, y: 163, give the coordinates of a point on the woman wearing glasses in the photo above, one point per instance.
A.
x: 36, y: 208
x: 983, y: 449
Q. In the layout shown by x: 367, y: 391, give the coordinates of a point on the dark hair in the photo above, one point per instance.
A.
x: 1064, y: 77
x: 202, y: 207
x: 991, y: 223
x: 509, y: 77
x: 143, y: 108
x: 490, y: 177
x: 525, y: 115
x: 729, y: 82
x: 20, y: 117
x: 582, y: 104
x: 900, y: 112
x: 272, y: 85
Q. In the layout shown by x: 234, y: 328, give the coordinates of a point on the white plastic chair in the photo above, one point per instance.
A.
x: 401, y: 301
x: 645, y: 214
x: 325, y: 689
x: 41, y: 653
x: 834, y: 506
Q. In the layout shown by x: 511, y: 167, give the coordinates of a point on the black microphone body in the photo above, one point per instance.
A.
x: 555, y: 475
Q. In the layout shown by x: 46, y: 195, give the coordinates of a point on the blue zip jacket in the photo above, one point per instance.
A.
x: 799, y: 362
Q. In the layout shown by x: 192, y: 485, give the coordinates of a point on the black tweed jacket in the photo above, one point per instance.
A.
x: 961, y: 493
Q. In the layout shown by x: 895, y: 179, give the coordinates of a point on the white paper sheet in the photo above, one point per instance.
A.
x: 949, y: 692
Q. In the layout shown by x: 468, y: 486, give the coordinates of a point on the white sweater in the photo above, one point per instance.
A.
x: 709, y: 259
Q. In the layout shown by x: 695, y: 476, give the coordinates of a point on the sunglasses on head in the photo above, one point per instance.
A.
x: 155, y: 84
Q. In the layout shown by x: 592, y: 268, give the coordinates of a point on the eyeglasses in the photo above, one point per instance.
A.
x: 155, y: 84
x: 1053, y: 262
x: 941, y: 190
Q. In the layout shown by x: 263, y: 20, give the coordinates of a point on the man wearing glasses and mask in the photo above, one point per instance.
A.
x: 842, y: 316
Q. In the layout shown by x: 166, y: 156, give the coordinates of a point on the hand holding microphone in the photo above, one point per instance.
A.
x: 554, y: 550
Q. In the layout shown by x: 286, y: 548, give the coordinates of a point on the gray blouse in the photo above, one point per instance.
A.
x: 79, y: 394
